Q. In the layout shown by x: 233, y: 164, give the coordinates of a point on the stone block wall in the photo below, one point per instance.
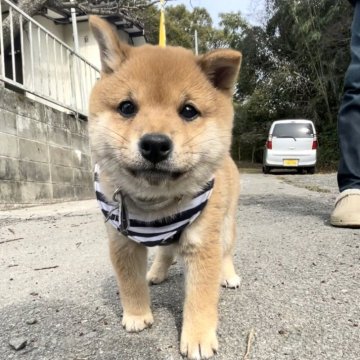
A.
x: 44, y: 153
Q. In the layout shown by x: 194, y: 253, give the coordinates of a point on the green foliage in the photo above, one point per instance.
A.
x: 181, y: 25
x: 294, y: 67
x: 328, y: 153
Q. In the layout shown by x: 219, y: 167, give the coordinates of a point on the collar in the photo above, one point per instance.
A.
x: 162, y: 231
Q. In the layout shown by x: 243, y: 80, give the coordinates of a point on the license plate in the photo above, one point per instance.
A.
x: 290, y: 162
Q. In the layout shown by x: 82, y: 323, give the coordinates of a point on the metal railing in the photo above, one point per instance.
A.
x: 37, y: 62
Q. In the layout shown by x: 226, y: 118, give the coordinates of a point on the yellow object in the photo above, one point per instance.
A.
x: 162, y: 29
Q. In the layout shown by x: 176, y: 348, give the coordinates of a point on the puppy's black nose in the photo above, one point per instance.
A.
x: 155, y: 147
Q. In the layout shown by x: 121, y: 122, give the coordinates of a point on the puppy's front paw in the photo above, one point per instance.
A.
x: 197, y: 345
x: 136, y: 323
x: 232, y: 282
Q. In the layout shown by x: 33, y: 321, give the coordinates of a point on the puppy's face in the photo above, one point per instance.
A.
x: 160, y: 118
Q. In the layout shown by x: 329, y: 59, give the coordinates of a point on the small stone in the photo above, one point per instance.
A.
x: 91, y: 334
x: 18, y: 343
x: 31, y: 321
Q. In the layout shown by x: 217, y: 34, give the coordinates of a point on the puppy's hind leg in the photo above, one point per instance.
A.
x: 229, y: 278
x: 159, y: 269
x: 129, y: 262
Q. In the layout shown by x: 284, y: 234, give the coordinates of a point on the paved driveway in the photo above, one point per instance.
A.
x: 299, y: 294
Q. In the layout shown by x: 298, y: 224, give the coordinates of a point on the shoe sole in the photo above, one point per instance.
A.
x: 343, y: 224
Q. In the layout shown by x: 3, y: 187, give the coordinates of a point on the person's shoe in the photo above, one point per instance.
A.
x: 347, y: 209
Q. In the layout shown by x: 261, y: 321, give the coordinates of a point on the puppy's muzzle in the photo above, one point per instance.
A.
x: 155, y: 147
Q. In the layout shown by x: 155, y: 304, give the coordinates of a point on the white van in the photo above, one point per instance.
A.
x: 291, y: 144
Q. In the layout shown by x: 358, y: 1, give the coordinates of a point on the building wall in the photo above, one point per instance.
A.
x: 44, y: 153
x: 55, y: 72
x: 88, y: 46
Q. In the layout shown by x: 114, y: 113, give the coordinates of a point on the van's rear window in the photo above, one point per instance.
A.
x: 293, y: 130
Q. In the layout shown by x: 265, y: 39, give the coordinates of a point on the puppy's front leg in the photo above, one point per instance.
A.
x: 203, y: 272
x: 129, y: 261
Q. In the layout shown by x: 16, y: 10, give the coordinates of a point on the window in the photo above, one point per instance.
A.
x: 293, y: 130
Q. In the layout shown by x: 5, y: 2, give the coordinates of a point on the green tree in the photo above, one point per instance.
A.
x: 181, y: 25
x: 293, y: 66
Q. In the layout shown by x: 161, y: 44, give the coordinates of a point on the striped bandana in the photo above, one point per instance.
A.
x: 164, y: 231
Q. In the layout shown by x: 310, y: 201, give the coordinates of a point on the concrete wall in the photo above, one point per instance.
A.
x: 44, y: 153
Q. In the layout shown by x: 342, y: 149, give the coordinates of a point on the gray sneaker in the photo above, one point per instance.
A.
x: 347, y: 209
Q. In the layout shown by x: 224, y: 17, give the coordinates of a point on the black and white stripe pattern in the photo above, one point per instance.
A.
x: 158, y: 232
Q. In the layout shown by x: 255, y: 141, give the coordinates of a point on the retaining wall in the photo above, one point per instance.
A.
x: 44, y: 153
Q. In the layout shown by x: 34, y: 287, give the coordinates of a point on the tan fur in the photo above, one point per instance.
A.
x: 160, y: 81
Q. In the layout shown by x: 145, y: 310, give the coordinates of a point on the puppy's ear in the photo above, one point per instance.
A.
x: 112, y: 51
x: 221, y: 67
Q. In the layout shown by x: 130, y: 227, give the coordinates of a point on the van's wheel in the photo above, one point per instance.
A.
x: 266, y: 169
x: 311, y: 170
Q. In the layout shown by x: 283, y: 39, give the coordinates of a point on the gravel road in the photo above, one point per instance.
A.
x: 299, y: 296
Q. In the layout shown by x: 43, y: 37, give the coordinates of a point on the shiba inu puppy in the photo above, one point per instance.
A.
x: 160, y: 127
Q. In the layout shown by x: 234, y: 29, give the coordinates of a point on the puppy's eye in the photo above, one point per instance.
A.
x: 127, y: 109
x: 188, y: 112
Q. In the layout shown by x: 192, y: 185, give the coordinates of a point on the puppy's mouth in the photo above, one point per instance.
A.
x: 156, y: 176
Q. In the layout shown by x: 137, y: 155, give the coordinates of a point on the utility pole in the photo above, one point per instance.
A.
x: 196, y: 43
x: 74, y: 27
